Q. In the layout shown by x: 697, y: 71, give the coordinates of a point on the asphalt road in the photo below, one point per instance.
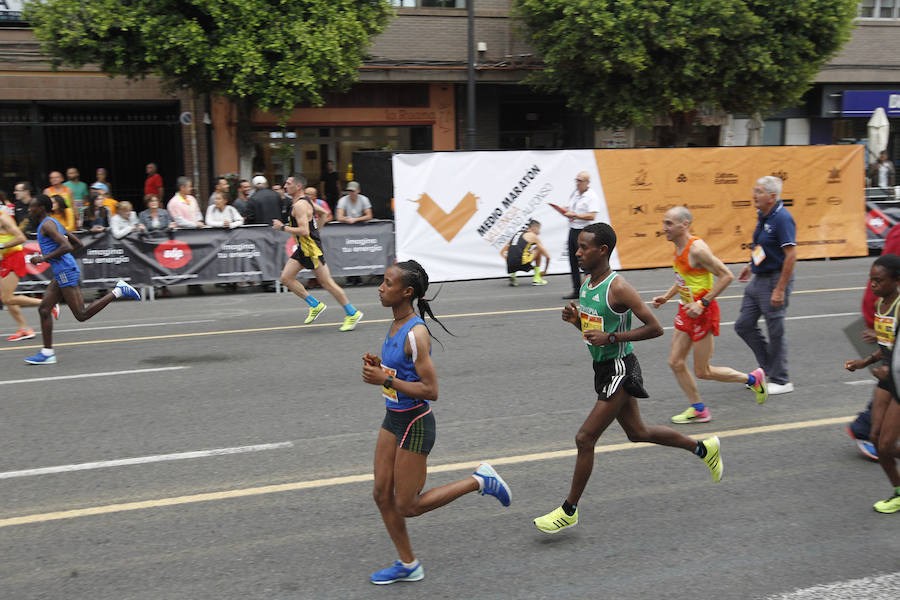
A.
x: 252, y: 436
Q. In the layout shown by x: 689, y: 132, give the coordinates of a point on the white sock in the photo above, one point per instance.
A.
x: 412, y: 565
x: 117, y: 292
x: 48, y: 351
x: 480, y: 481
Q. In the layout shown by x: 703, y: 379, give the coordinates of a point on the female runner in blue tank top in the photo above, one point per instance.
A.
x: 408, y: 383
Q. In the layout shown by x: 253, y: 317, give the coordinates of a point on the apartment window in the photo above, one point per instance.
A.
x: 429, y: 3
x: 879, y: 9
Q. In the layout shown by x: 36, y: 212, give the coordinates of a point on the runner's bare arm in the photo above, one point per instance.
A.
x: 701, y: 256
x: 301, y: 212
x: 77, y: 244
x: 660, y: 300
x: 8, y: 226
x: 623, y: 296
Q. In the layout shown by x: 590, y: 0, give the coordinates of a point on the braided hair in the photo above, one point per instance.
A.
x: 415, y: 277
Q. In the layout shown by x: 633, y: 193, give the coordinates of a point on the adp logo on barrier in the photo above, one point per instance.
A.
x: 33, y: 249
x: 448, y: 224
x: 173, y: 254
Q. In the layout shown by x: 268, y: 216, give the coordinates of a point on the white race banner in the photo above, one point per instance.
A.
x: 455, y: 212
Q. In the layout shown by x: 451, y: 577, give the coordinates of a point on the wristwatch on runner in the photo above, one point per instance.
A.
x: 389, y: 382
x: 705, y: 301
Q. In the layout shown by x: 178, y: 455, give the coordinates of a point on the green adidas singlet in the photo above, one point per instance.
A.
x: 596, y: 313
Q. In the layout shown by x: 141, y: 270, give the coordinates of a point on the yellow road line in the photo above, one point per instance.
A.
x: 332, y: 481
x: 172, y: 336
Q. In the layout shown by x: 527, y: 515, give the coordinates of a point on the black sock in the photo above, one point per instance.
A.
x: 700, y: 450
x: 569, y: 509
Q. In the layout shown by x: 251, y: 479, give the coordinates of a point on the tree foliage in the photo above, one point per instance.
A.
x: 271, y: 54
x: 628, y: 61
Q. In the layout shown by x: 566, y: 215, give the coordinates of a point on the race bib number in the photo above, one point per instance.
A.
x: 758, y: 255
x: 589, y: 323
x: 390, y: 394
x: 884, y: 330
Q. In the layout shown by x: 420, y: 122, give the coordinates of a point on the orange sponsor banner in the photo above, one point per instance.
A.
x: 823, y: 190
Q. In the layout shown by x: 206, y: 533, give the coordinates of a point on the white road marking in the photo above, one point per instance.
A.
x: 85, y: 375
x: 880, y: 587
x: 142, y: 460
x: 861, y: 382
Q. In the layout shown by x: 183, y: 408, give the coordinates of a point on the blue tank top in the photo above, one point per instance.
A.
x: 48, y: 245
x: 396, y: 362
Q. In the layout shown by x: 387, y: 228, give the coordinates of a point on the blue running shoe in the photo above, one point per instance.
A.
x: 397, y: 572
x: 41, y: 359
x: 494, y: 484
x: 127, y: 290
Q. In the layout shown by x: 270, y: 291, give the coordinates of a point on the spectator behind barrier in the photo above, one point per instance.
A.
x: 61, y: 212
x: 96, y: 216
x: 124, y: 221
x: 154, y: 218
x: 183, y: 207
x: 56, y: 187
x: 242, y: 201
x: 266, y: 205
x: 23, y: 194
x: 324, y: 215
x: 102, y: 180
x: 222, y: 214
x: 354, y: 207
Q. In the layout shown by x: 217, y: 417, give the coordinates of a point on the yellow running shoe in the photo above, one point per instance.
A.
x: 539, y: 281
x: 891, y: 505
x: 314, y: 312
x: 556, y: 521
x: 712, y: 458
x: 350, y: 321
x: 692, y: 416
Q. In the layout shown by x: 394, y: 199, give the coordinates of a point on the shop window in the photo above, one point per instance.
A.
x: 429, y: 3
x: 773, y: 133
x: 878, y: 9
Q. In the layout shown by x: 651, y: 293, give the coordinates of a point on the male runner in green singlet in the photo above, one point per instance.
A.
x: 603, y: 315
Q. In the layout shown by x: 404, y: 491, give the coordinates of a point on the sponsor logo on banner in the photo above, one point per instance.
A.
x: 812, y: 201
x: 876, y: 222
x: 834, y: 175
x: 714, y: 231
x: 637, y: 234
x: 640, y: 209
x: 725, y: 178
x: 173, y: 254
x: 447, y: 224
x: 682, y: 178
x: 788, y: 201
x: 740, y: 203
x: 641, y: 182
x: 663, y: 208
x: 33, y: 249
x: 835, y: 201
x: 782, y: 175
x: 699, y: 206
x: 737, y: 230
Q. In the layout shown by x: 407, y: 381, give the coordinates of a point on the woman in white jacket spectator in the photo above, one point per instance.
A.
x: 222, y: 214
x: 124, y: 221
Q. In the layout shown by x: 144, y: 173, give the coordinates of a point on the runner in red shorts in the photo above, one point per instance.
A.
x: 12, y: 268
x: 699, y: 278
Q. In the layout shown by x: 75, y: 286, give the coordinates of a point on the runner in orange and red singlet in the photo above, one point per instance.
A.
x: 699, y: 278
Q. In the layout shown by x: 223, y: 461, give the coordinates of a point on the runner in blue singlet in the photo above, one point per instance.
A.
x: 408, y: 382
x: 57, y: 246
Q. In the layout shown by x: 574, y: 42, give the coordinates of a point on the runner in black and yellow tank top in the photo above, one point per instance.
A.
x: 699, y: 278
x: 524, y: 253
x: 884, y: 277
x: 603, y: 317
x: 309, y: 255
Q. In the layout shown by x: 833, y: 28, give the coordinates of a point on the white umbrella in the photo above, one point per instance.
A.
x: 879, y: 129
x: 755, y: 130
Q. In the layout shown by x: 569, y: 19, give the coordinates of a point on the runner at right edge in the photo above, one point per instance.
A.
x: 606, y: 303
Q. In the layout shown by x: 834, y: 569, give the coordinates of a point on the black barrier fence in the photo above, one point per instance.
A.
x: 186, y: 256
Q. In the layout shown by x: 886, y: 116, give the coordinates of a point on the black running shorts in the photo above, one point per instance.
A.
x: 415, y: 428
x: 609, y: 375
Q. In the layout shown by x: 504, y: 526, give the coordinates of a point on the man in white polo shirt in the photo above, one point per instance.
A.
x: 584, y: 204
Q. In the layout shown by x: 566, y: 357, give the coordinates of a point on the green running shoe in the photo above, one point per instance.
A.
x: 891, y: 505
x: 513, y: 280
x: 539, y: 281
x: 350, y: 321
x: 556, y: 521
x: 712, y: 459
x: 760, y: 388
x: 692, y: 416
x: 314, y: 312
